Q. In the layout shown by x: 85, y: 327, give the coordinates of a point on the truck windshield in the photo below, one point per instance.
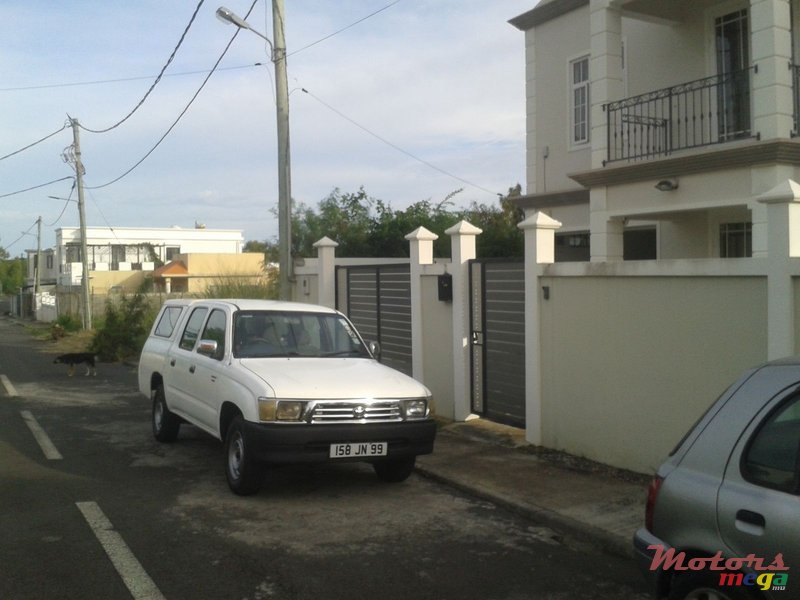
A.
x: 271, y: 334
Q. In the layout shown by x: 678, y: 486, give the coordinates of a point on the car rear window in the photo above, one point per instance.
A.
x: 772, y: 455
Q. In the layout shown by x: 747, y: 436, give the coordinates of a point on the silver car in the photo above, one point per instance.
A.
x: 723, y: 512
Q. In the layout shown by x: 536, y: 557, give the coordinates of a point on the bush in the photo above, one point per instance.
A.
x: 69, y: 323
x: 124, y: 329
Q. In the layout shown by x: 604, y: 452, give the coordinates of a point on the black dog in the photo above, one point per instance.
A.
x: 77, y: 358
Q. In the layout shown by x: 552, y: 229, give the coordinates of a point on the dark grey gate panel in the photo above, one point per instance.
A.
x: 498, y: 311
x: 379, y: 305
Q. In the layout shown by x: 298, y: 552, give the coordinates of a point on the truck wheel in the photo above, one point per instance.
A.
x: 243, y: 472
x: 165, y: 423
x: 394, y: 470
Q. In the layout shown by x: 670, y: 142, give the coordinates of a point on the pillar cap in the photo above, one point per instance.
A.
x: 325, y: 242
x: 463, y: 228
x: 421, y: 234
x: 539, y: 220
x: 783, y: 193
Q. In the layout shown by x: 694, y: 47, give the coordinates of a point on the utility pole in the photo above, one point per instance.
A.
x: 38, y: 269
x: 76, y: 151
x: 284, y: 167
x: 278, y: 58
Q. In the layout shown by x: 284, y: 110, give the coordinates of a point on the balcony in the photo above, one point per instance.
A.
x: 712, y: 110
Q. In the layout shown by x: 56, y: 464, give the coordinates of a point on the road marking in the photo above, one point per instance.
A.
x: 133, y: 574
x: 47, y: 446
x: 7, y: 384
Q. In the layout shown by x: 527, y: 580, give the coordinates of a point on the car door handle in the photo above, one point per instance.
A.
x: 172, y: 363
x: 192, y: 368
x: 750, y: 522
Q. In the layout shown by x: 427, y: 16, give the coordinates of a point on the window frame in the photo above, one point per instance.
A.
x: 573, y: 87
x: 200, y: 310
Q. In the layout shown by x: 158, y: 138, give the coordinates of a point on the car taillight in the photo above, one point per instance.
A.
x: 652, y: 495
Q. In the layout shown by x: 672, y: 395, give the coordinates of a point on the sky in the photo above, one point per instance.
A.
x: 409, y: 99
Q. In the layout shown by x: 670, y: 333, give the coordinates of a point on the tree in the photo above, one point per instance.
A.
x: 13, y: 272
x: 364, y: 226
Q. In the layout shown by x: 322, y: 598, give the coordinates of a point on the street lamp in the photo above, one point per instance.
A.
x: 278, y: 58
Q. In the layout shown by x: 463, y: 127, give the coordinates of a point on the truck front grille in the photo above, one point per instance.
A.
x: 354, y: 412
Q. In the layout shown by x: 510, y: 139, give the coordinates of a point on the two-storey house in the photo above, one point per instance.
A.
x: 653, y: 125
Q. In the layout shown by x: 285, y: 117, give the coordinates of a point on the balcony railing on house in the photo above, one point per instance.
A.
x: 707, y: 111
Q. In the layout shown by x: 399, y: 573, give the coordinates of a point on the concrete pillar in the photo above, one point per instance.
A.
x: 783, y: 226
x: 605, y: 71
x: 326, y: 271
x: 421, y: 252
x: 539, y: 249
x: 771, y: 43
x: 462, y: 243
x: 606, y: 242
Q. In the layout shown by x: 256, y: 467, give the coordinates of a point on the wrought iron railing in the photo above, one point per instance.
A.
x: 712, y: 110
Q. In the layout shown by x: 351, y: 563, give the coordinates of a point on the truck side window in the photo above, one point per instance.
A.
x: 189, y: 337
x: 168, y: 320
x: 215, y: 330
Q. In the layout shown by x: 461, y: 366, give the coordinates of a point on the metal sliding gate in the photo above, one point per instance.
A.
x: 497, y: 314
x: 378, y: 302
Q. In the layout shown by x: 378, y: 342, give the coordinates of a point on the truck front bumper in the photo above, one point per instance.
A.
x: 301, y: 443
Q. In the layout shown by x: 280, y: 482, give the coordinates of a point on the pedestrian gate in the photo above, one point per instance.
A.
x: 497, y: 315
x: 378, y: 302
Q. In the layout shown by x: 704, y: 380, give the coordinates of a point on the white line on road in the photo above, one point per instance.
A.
x: 133, y: 574
x: 7, y: 384
x: 47, y: 446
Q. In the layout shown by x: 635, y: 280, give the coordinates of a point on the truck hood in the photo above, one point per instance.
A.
x: 333, y: 378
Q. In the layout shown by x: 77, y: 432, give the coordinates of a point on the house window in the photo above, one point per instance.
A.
x: 736, y: 240
x: 732, y: 41
x: 73, y: 252
x: 579, y: 109
x: 172, y: 251
x: 49, y: 261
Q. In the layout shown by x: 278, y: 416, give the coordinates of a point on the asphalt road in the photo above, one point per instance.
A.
x: 91, y: 506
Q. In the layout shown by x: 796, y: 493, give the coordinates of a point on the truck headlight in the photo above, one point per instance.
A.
x: 266, y: 409
x: 415, y: 409
x: 289, y: 410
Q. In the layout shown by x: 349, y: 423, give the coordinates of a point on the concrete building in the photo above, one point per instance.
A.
x: 654, y: 126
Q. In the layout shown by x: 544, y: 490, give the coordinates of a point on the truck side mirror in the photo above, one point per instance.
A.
x: 375, y: 349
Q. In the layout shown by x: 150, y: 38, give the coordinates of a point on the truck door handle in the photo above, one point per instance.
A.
x: 172, y: 363
x: 192, y: 368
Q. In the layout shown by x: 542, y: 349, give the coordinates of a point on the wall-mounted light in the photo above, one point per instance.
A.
x: 667, y: 185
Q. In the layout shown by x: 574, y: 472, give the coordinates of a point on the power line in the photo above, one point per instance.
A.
x: 121, y: 79
x: 183, y: 112
x: 24, y: 233
x: 398, y: 148
x: 47, y: 137
x: 36, y: 187
x: 327, y: 37
x: 155, y: 83
x: 68, y: 199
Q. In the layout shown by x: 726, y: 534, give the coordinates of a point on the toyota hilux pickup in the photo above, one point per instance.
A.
x: 281, y: 383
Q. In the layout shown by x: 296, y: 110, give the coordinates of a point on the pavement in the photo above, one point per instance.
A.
x: 575, y: 497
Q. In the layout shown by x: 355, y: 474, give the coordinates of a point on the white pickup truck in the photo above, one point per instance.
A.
x: 281, y: 382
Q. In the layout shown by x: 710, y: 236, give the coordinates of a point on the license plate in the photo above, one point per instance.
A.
x: 358, y: 450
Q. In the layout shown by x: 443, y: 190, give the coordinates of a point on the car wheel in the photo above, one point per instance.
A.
x: 244, y: 473
x: 394, y: 470
x: 165, y: 423
x: 704, y: 585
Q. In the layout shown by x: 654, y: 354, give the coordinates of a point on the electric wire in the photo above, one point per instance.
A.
x: 180, y: 116
x: 398, y: 148
x: 121, y: 79
x: 36, y: 187
x: 155, y: 83
x: 47, y: 137
x: 24, y: 233
x: 67, y: 200
x: 327, y: 37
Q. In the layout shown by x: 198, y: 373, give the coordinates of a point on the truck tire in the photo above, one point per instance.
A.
x: 243, y: 472
x: 165, y: 423
x: 394, y: 470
